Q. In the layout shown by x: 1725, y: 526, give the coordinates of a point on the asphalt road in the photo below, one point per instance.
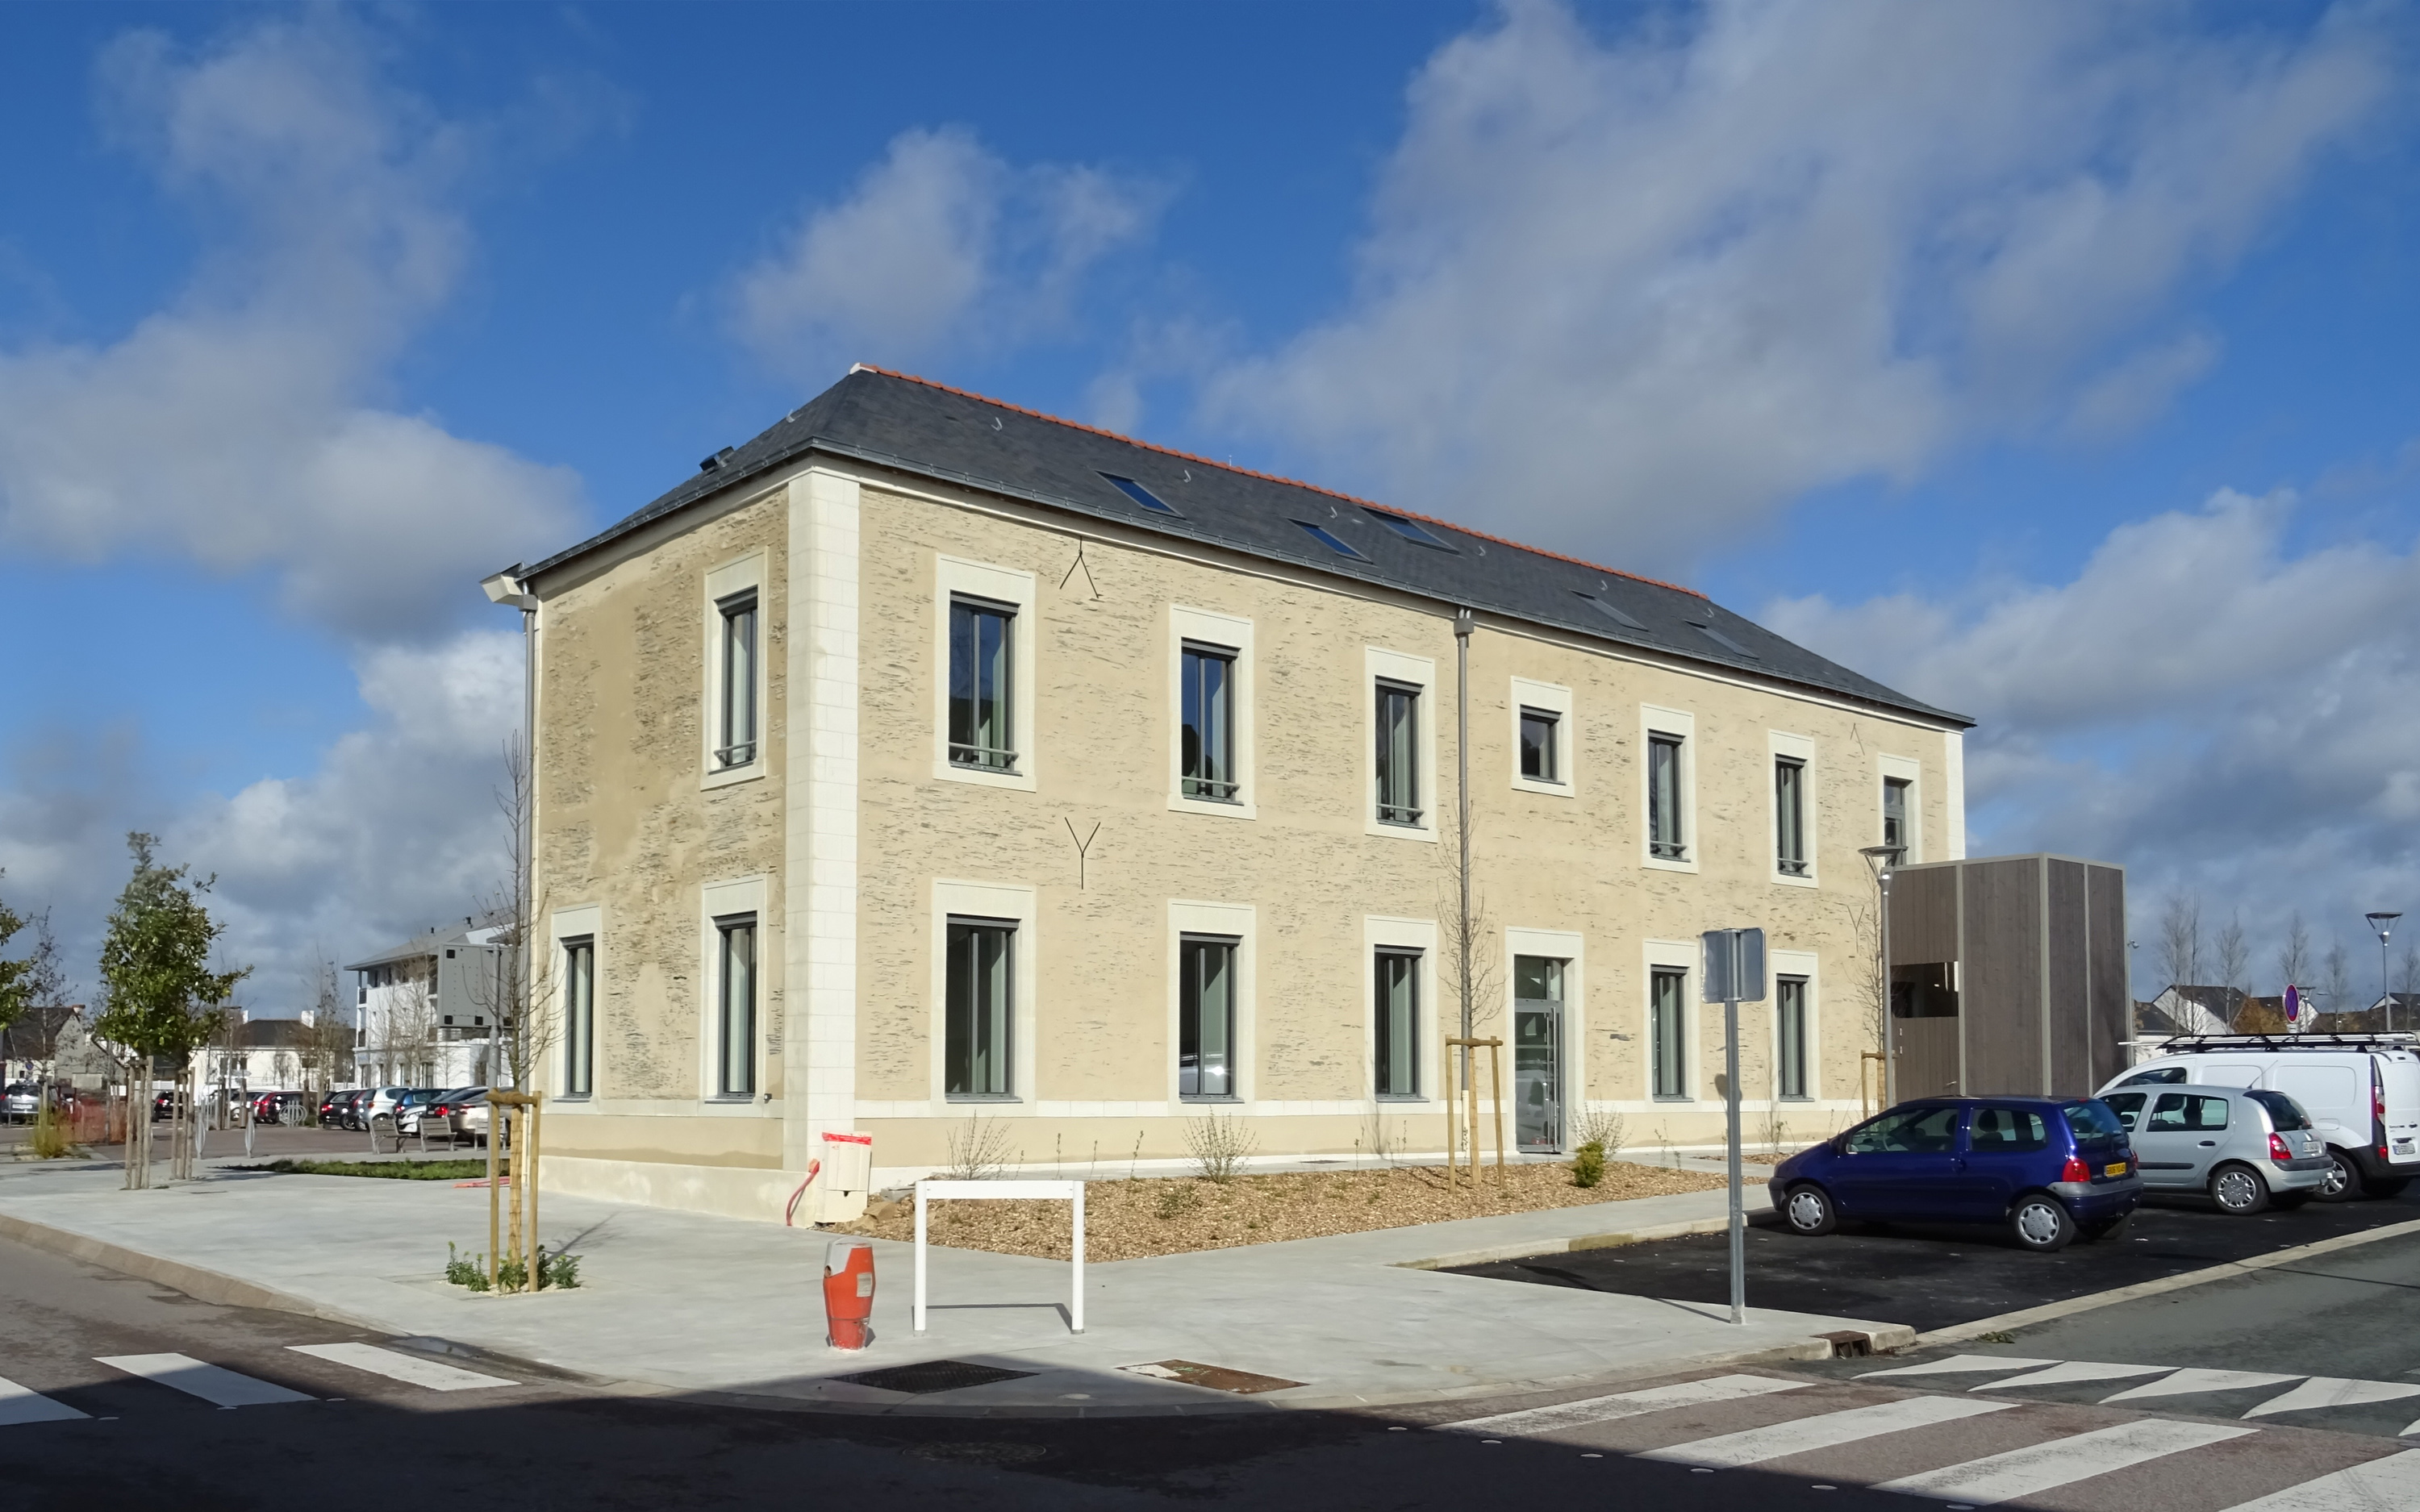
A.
x: 1933, y: 1277
x: 77, y: 1339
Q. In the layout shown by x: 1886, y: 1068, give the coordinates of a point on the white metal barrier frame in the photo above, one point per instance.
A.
x: 1001, y: 1191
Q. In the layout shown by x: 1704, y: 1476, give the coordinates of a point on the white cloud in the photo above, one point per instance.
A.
x: 1642, y: 290
x: 239, y: 426
x: 2218, y: 712
x: 940, y: 245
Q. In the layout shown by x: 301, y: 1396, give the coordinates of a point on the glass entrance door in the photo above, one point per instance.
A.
x: 1537, y: 1053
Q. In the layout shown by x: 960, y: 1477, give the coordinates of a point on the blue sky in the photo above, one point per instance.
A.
x: 2049, y: 361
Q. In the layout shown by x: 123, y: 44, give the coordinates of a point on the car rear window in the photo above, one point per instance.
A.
x: 2284, y: 1112
x: 2092, y: 1119
x: 2004, y: 1131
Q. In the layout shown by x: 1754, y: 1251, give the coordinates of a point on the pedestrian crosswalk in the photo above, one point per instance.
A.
x: 1937, y: 1440
x: 2299, y: 1394
x: 228, y: 1390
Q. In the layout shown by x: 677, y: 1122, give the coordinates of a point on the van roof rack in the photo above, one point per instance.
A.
x: 2290, y: 1042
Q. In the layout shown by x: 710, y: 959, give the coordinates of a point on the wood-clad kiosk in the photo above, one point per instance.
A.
x: 2009, y: 975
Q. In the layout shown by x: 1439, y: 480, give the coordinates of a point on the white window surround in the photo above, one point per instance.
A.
x: 717, y: 901
x: 1795, y: 963
x: 1570, y: 947
x: 1421, y: 673
x: 1900, y: 768
x: 588, y: 921
x: 1953, y: 796
x: 1238, y: 921
x: 1661, y: 721
x: 1209, y: 627
x: 741, y: 575
x: 1001, y: 585
x: 1421, y: 935
x: 1550, y: 697
x: 1783, y: 747
x: 1671, y: 955
x: 1016, y: 904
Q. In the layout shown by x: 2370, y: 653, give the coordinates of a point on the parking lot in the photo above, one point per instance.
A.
x: 1931, y: 1278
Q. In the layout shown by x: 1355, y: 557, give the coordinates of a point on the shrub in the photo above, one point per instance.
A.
x: 1220, y: 1145
x: 471, y: 1271
x: 1587, y: 1165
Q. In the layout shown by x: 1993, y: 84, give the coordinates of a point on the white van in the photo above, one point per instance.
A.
x: 2362, y: 1092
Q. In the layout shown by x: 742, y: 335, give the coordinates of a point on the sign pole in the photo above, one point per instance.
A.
x: 1739, y: 1208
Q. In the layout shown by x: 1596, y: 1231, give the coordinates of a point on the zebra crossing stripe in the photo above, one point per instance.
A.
x: 1959, y: 1365
x: 18, y: 1405
x: 214, y: 1385
x: 411, y: 1370
x: 2042, y: 1467
x: 2068, y: 1371
x: 2394, y: 1481
x: 2334, y: 1391
x: 2186, y: 1382
x: 1625, y: 1404
x: 1824, y: 1431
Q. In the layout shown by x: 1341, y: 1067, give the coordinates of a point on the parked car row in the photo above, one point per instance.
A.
x: 2220, y: 1119
x: 458, y: 1112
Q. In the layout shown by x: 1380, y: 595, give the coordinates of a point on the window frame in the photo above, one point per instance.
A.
x: 1551, y: 698
x: 1189, y: 920
x: 1791, y: 1060
x: 1667, y: 1035
x: 1007, y: 590
x: 1392, y: 965
x: 1207, y: 630
x: 1799, y: 750
x: 726, y: 586
x: 578, y: 996
x: 1416, y: 675
x: 1803, y: 967
x: 1892, y: 769
x: 1191, y: 944
x: 1009, y: 902
x: 1005, y: 1058
x: 749, y: 1038
x: 718, y: 902
x: 1408, y: 937
x: 1656, y: 724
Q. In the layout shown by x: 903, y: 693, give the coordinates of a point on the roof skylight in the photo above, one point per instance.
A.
x: 1323, y: 537
x: 1607, y: 610
x: 1139, y: 494
x: 1412, y: 530
x: 1722, y: 640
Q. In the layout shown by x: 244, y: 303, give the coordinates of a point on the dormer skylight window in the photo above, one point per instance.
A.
x: 1320, y: 535
x: 1607, y: 610
x: 1139, y: 494
x: 1412, y: 530
x: 1722, y: 640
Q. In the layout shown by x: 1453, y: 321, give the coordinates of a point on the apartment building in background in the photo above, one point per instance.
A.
x: 426, y: 1009
x: 927, y: 759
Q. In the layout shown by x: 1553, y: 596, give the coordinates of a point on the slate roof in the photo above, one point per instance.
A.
x: 930, y: 431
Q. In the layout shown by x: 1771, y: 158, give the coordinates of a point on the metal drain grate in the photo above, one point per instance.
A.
x: 929, y: 1376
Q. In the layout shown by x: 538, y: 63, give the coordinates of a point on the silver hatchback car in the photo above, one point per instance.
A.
x: 2246, y: 1151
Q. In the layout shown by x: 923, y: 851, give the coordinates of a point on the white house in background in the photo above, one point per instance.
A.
x: 269, y: 1055
x: 429, y: 1008
x: 2200, y: 1010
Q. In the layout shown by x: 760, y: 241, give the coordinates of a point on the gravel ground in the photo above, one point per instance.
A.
x: 1131, y: 1219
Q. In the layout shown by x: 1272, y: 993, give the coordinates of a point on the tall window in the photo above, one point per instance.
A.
x: 736, y: 737
x: 1205, y: 1017
x: 1538, y: 733
x: 1669, y: 1012
x: 980, y: 691
x: 981, y: 1009
x: 579, y: 1017
x: 1398, y: 977
x: 1790, y: 816
x: 1790, y: 1008
x: 1208, y: 759
x: 1665, y: 839
x: 735, y: 1014
x: 1399, y: 761
x: 1895, y: 832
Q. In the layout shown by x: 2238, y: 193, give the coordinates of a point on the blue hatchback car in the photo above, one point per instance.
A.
x: 2050, y: 1168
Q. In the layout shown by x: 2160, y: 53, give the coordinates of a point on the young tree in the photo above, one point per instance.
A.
x: 16, y: 976
x: 158, y: 989
x: 2234, y: 961
x: 522, y: 1035
x: 2294, y: 953
x: 1473, y: 978
x: 2181, y: 940
x: 2335, y: 976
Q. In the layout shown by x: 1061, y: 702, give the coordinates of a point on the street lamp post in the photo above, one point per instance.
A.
x: 1880, y: 860
x: 2384, y: 925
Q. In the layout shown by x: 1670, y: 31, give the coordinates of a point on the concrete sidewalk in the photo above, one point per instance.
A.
x: 680, y: 1304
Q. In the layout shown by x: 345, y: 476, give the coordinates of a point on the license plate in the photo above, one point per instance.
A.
x: 2114, y: 1168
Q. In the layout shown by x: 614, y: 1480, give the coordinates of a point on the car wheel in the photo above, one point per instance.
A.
x: 2041, y: 1223
x: 2112, y: 1228
x: 2391, y: 1186
x: 2239, y: 1191
x: 2343, y: 1181
x: 1809, y: 1211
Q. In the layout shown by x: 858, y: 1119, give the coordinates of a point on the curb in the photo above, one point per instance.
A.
x: 2051, y: 1312
x: 1534, y: 1248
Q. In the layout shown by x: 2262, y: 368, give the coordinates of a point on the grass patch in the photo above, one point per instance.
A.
x: 401, y: 1170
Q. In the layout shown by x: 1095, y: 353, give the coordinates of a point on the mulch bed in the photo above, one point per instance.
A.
x: 1127, y: 1219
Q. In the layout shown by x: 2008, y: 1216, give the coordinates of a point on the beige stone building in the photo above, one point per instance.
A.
x: 927, y: 765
